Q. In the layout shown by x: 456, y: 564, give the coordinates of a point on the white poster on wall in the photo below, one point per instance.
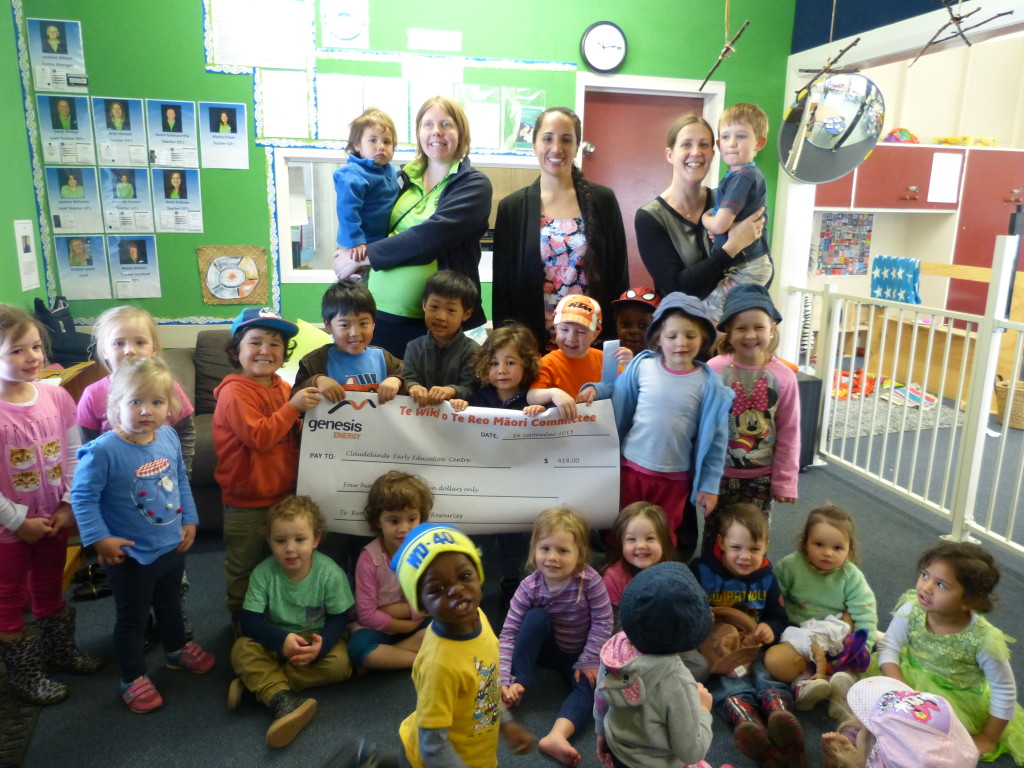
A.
x: 490, y: 470
x: 339, y: 101
x: 65, y: 130
x: 345, y: 24
x: 261, y: 33
x: 120, y: 131
x: 223, y: 135
x: 74, y: 200
x: 285, y: 105
x: 25, y: 247
x: 57, y: 56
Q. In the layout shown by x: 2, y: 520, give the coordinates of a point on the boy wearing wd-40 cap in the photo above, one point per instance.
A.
x: 458, y: 687
x: 255, y: 439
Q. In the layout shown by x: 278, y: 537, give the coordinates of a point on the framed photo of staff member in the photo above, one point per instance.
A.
x: 63, y: 113
x: 118, y: 117
x: 223, y: 120
x: 124, y: 184
x: 175, y: 186
x: 52, y: 37
x: 71, y: 184
x: 79, y: 252
x: 132, y: 252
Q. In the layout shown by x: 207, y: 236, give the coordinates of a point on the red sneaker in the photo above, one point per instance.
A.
x: 191, y: 658
x: 142, y: 696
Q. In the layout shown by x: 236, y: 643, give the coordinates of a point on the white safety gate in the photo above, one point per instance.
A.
x: 911, y: 398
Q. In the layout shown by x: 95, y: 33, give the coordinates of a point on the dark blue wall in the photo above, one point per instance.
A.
x: 813, y: 18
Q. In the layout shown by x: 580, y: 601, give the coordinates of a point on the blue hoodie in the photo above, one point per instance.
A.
x: 713, y: 428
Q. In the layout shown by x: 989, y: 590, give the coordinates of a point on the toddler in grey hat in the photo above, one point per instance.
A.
x: 648, y: 710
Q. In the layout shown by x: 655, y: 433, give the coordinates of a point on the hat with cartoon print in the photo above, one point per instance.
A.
x: 643, y: 295
x: 422, y: 544
x: 911, y: 728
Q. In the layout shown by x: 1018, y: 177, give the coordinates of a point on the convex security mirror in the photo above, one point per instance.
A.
x: 831, y: 127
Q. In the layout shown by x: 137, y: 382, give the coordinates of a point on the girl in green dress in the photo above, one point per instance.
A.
x: 939, y: 642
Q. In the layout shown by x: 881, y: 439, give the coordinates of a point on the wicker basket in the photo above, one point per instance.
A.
x: 1016, y: 415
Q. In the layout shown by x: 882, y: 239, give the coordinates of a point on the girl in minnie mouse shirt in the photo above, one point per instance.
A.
x: 762, y: 458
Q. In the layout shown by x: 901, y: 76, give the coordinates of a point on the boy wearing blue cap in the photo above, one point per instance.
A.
x: 458, y: 693
x: 255, y: 438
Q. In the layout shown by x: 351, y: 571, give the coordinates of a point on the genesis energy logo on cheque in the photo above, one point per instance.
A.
x: 343, y: 430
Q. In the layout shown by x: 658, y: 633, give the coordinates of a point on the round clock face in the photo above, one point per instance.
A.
x: 603, y: 46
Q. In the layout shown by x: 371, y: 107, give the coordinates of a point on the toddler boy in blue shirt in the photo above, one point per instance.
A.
x: 350, y: 363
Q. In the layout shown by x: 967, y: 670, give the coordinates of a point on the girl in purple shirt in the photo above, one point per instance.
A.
x: 560, y: 616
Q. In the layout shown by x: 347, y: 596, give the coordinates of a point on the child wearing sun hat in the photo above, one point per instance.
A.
x: 901, y: 728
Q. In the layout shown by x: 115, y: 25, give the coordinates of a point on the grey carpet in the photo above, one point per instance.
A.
x: 17, y: 722
x: 93, y: 727
x: 872, y: 415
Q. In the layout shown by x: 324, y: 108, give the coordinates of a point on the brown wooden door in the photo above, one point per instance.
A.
x: 628, y: 131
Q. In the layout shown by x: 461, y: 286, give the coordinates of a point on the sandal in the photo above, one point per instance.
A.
x: 90, y: 572
x: 91, y: 590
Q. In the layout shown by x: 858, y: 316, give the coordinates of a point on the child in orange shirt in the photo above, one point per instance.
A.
x: 255, y: 438
x: 564, y: 371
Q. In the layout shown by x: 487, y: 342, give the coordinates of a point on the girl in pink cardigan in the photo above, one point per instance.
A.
x: 388, y: 631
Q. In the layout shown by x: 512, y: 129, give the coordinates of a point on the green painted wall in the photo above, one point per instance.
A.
x: 17, y: 195
x: 155, y: 50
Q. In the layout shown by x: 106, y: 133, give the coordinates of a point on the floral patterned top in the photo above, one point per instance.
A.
x: 563, y: 246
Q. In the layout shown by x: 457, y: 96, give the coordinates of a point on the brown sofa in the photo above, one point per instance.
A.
x: 198, y: 371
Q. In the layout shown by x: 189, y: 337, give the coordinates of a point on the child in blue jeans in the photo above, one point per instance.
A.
x: 736, y: 574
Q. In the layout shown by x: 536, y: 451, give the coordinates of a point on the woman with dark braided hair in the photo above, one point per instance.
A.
x: 558, y: 236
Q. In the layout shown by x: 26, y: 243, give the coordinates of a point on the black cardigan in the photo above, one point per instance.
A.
x: 518, y: 270
x: 451, y: 235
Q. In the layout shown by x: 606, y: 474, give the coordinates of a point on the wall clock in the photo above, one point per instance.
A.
x: 603, y: 46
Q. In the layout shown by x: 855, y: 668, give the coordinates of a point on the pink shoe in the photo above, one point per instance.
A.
x: 191, y: 658
x: 142, y: 696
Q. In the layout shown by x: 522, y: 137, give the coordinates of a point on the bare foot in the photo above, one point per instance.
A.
x: 834, y: 748
x: 559, y: 748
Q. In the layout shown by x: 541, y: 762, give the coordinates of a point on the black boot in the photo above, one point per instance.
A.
x: 57, y: 636
x: 292, y: 712
x: 23, y: 660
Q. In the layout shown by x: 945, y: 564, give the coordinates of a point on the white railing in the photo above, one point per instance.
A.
x: 907, y: 399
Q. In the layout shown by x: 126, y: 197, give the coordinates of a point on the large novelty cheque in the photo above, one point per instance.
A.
x: 490, y: 470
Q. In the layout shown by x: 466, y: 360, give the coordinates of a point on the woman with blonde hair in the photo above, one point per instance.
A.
x: 441, y: 213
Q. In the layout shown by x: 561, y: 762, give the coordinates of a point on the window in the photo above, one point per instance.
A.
x: 307, y: 222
